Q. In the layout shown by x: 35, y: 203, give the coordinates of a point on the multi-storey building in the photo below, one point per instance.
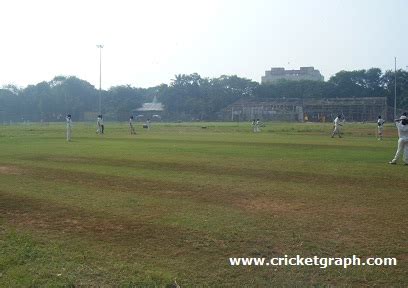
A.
x: 304, y: 73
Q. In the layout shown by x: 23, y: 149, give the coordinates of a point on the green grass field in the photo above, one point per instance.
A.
x: 177, y: 201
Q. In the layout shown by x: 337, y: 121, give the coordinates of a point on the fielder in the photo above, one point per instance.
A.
x: 337, y: 126
x: 402, y: 126
x: 380, y: 124
x: 257, y: 126
x: 69, y: 127
x: 99, y: 125
x: 131, y: 128
x: 253, y: 125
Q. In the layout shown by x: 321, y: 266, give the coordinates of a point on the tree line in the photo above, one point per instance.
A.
x: 187, y: 97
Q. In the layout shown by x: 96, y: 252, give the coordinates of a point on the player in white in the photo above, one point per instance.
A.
x: 257, y: 126
x: 402, y: 126
x: 99, y: 124
x: 380, y: 124
x: 148, y: 124
x: 102, y: 126
x: 69, y: 127
x: 131, y: 128
x: 337, y: 125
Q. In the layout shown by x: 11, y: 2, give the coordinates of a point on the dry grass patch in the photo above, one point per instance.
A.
x: 10, y: 170
x: 37, y: 215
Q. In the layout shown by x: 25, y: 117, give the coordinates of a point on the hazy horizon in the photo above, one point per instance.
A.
x: 147, y: 42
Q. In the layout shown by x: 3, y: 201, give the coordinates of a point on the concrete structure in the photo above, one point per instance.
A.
x: 353, y: 109
x: 268, y: 109
x: 304, y: 73
x: 317, y: 110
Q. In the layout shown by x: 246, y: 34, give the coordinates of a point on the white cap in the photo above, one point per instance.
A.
x: 403, y: 117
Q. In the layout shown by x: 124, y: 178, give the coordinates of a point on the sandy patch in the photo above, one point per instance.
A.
x: 9, y: 170
x: 274, y: 206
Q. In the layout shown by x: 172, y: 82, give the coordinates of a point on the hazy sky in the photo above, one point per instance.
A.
x: 147, y: 42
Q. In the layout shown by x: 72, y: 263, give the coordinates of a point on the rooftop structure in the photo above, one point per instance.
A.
x: 151, y: 106
x: 304, y: 73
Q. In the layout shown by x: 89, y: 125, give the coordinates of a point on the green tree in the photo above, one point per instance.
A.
x: 121, y: 100
x: 388, y: 83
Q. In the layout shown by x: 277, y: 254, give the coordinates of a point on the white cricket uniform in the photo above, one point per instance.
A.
x: 380, y: 124
x: 337, y: 125
x: 69, y: 128
x: 102, y: 127
x: 98, y: 125
x: 131, y: 128
x: 258, y: 126
x: 402, y: 142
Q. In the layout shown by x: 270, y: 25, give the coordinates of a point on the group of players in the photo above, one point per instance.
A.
x: 337, y: 123
x: 100, y: 127
x: 256, y: 125
x: 402, y: 126
x: 401, y: 123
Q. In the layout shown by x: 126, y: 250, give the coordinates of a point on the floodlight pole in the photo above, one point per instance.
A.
x: 395, y: 87
x: 100, y: 77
